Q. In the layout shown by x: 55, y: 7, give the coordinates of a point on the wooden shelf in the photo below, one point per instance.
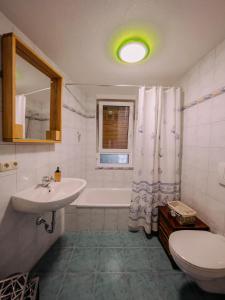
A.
x: 30, y: 141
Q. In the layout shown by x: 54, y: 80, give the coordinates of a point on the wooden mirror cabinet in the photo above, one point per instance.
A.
x: 32, y: 80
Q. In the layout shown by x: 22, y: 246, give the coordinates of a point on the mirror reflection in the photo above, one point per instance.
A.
x: 32, y: 100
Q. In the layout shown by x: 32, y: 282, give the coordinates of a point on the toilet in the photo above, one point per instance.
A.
x: 201, y: 255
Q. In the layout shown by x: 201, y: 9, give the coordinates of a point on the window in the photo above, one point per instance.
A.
x: 115, y: 133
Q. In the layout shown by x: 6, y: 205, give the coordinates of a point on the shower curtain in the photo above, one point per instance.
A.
x: 156, y: 157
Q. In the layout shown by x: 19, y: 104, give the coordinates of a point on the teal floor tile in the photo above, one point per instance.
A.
x: 50, y: 285
x: 87, y: 239
x: 153, y: 242
x: 159, y: 260
x: 78, y: 286
x: 177, y: 287
x: 112, y: 286
x: 83, y: 260
x: 55, y: 260
x: 144, y: 286
x: 68, y: 240
x: 133, y: 239
x: 112, y: 266
x: 137, y: 260
x: 109, y: 239
x: 111, y: 260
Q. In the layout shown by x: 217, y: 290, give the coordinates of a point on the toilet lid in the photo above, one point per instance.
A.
x: 200, y: 248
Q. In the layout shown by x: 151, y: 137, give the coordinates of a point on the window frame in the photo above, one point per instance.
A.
x: 129, y: 150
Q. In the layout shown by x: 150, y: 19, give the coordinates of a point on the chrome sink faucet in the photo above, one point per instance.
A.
x: 46, y: 181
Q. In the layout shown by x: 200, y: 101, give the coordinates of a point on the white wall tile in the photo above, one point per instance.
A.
x: 111, y: 222
x: 71, y: 222
x: 201, y: 181
x: 190, y: 136
x: 215, y: 215
x: 97, y: 219
x: 202, y: 158
x: 83, y: 221
x: 214, y: 188
x: 123, y: 219
x: 7, y: 188
x: 190, y: 117
x: 216, y: 155
x: 204, y: 140
x: 204, y: 112
x: 218, y: 109
x: 203, y: 135
x: 217, y: 138
x: 35, y: 161
x: 7, y: 153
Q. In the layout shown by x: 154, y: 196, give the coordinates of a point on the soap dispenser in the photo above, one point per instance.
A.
x: 57, y: 175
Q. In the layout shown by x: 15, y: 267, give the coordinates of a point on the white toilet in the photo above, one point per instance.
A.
x: 201, y: 255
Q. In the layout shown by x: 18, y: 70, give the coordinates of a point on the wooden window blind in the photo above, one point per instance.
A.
x: 115, y: 127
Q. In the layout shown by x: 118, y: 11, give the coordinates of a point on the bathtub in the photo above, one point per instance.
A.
x: 104, y: 197
x: 99, y: 209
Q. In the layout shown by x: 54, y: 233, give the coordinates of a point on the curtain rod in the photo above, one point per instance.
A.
x: 112, y: 85
x: 37, y: 91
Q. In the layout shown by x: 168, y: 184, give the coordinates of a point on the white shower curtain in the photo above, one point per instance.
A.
x: 156, y: 156
x: 21, y: 111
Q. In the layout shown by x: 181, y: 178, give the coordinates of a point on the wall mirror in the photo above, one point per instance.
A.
x: 31, y: 95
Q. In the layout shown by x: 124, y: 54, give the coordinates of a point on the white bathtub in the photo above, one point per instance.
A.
x: 104, y: 197
x: 99, y: 209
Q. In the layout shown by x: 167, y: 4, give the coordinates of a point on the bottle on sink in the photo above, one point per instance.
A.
x: 57, y: 175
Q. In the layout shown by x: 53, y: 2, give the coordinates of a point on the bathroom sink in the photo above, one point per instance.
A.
x: 39, y: 199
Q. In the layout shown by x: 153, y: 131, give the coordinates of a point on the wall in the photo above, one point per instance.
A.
x: 22, y: 243
x: 96, y: 219
x: 97, y: 177
x: 204, y: 139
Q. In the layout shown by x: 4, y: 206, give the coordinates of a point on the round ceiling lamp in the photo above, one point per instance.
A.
x: 133, y: 50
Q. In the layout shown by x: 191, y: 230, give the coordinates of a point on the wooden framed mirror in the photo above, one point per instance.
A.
x: 31, y: 91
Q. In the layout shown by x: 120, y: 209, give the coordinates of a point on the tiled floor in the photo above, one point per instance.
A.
x: 112, y: 265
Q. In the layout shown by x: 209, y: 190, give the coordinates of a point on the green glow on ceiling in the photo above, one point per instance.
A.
x: 133, y: 34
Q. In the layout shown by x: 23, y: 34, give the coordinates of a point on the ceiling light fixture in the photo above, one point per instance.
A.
x: 133, y: 50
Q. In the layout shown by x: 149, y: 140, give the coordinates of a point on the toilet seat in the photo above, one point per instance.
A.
x: 200, y: 250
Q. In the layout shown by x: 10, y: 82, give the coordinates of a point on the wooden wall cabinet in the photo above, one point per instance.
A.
x: 12, y: 132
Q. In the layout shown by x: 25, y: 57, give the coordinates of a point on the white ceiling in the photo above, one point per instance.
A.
x: 75, y: 34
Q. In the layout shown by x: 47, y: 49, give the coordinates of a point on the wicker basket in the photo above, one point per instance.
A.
x: 19, y: 287
x: 184, y: 214
x: 183, y: 220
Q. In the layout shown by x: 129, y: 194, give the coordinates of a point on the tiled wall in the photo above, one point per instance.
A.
x: 22, y: 243
x: 96, y: 177
x: 96, y: 219
x: 204, y: 139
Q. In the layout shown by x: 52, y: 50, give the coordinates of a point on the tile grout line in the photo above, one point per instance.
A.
x: 64, y: 274
x: 95, y: 275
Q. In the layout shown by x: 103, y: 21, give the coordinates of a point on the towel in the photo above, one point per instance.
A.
x: 21, y: 111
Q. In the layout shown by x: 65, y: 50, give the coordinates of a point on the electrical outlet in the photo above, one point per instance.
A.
x: 4, y: 167
x: 7, y: 166
x: 14, y: 165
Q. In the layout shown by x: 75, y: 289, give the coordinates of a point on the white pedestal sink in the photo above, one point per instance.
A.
x: 38, y: 199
